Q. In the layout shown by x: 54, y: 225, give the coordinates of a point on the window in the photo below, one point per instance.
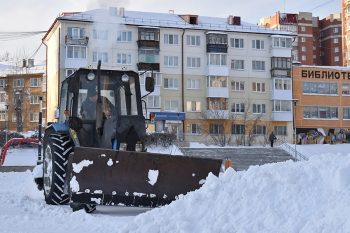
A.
x: 194, y: 129
x: 280, y: 130
x: 103, y: 56
x: 171, y: 105
x: 193, y: 106
x: 258, y: 65
x: 216, y: 81
x: 171, y: 39
x: 303, y: 39
x: 100, y: 34
x: 283, y: 84
x: 124, y: 36
x: 237, y: 85
x: 34, y: 99
x: 193, y: 62
x: 258, y: 86
x: 237, y: 107
x: 336, y: 40
x: 282, y: 42
x: 124, y: 59
x: 3, y: 97
x: 216, y: 129
x: 302, y: 28
x: 193, y: 40
x: 237, y: 64
x: 217, y: 59
x: 336, y: 58
x: 259, y: 108
x: 346, y: 88
x: 346, y: 113
x: 303, y: 48
x: 282, y: 106
x: 257, y: 44
x: 3, y: 115
x: 76, y: 52
x: 171, y: 61
x: 280, y: 63
x: 33, y: 116
x: 336, y: 49
x: 18, y: 83
x: 238, y: 129
x: 35, y: 82
x: 76, y: 33
x: 192, y: 84
x: 303, y: 58
x: 2, y: 83
x: 320, y: 88
x: 237, y: 43
x: 171, y: 83
x: 336, y: 30
x: 217, y: 103
x: 153, y: 101
x: 320, y: 112
x: 259, y: 129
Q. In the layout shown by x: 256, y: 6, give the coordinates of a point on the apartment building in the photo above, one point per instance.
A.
x: 214, y: 76
x: 20, y: 96
x: 322, y: 97
x: 345, y: 14
x: 318, y: 41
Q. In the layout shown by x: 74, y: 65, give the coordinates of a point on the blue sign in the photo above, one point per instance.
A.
x: 173, y: 116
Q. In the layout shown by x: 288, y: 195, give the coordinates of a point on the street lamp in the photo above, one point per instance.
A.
x: 294, y: 126
x: 7, y: 120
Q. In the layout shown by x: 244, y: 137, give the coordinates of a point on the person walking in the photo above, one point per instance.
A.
x: 272, y: 138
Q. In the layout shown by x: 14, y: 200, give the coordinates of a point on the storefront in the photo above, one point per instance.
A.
x: 169, y: 122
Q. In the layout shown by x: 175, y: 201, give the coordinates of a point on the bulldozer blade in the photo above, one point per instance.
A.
x: 109, y: 177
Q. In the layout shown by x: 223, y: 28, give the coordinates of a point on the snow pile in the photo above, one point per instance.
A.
x: 311, y: 196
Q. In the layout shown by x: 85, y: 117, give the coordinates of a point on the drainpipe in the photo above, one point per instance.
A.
x: 183, y: 81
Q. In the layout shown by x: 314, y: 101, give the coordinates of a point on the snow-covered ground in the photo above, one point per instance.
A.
x: 309, y: 196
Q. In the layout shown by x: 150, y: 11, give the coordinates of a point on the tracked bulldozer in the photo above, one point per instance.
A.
x: 95, y: 153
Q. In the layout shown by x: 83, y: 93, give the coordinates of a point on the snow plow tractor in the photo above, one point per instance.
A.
x: 95, y: 154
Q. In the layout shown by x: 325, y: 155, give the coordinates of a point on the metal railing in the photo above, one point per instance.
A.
x: 293, y: 152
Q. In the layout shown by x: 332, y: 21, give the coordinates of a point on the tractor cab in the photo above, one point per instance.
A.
x: 104, y: 109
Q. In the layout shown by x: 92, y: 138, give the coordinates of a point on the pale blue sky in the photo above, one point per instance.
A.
x: 38, y: 15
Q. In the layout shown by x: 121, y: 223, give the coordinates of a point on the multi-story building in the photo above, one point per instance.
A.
x: 322, y: 100
x: 345, y: 15
x: 20, y: 96
x: 213, y: 75
x: 318, y: 41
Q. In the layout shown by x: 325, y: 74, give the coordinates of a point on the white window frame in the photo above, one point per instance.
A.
x: 237, y: 64
x: 96, y: 56
x: 124, y: 36
x: 34, y: 99
x: 34, y: 117
x: 2, y: 83
x: 153, y: 101
x: 193, y: 40
x: 237, y: 85
x: 196, y: 128
x: 193, y: 62
x: 259, y: 87
x: 171, y: 83
x: 259, y: 108
x: 217, y: 59
x: 3, y: 115
x: 171, y: 105
x: 238, y: 108
x: 19, y: 82
x: 237, y: 43
x: 124, y: 59
x: 171, y: 61
x: 78, y: 52
x: 171, y: 39
x: 35, y: 82
x: 193, y: 106
x: 258, y: 65
x: 193, y: 84
x: 258, y: 44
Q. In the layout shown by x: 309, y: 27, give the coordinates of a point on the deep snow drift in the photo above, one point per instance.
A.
x: 312, y: 196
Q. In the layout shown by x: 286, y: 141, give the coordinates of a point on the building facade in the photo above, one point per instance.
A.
x: 345, y: 14
x: 214, y: 76
x: 318, y: 42
x: 20, y: 96
x: 322, y: 97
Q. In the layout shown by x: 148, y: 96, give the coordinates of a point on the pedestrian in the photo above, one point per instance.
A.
x: 272, y: 138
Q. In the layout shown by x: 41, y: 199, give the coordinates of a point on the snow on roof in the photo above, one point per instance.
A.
x: 168, y: 20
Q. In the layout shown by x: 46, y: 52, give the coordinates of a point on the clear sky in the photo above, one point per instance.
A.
x: 38, y: 15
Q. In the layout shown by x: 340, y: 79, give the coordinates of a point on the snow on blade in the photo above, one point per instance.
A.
x: 38, y: 171
x: 110, y: 162
x: 153, y: 176
x: 78, y: 167
x: 96, y: 200
x: 74, y: 185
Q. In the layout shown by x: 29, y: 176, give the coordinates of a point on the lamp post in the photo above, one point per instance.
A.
x: 294, y: 126
x: 7, y: 120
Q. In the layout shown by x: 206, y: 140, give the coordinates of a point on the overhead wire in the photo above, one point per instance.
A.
x: 7, y: 36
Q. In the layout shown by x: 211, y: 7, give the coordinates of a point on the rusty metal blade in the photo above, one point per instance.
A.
x: 131, y: 178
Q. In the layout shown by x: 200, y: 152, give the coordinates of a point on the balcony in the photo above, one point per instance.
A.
x: 218, y: 70
x: 148, y: 66
x: 216, y: 114
x: 69, y: 40
x: 219, y: 92
x: 217, y: 48
x: 148, y: 44
x: 280, y: 72
x: 282, y: 94
x: 282, y: 116
x: 280, y: 52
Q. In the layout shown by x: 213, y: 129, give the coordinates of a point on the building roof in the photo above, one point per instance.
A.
x: 167, y: 20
